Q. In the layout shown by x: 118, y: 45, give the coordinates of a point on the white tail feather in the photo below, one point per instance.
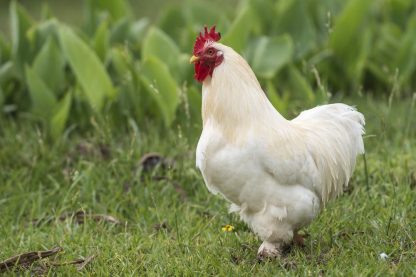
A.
x: 334, y: 139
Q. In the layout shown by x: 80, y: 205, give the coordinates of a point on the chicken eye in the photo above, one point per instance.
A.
x: 210, y: 51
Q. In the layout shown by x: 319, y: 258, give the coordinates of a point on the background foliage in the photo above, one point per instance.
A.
x: 116, y: 67
x: 109, y: 86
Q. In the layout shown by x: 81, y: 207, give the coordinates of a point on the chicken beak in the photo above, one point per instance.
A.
x: 193, y: 59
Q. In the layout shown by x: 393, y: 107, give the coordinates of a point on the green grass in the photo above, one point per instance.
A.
x: 99, y: 172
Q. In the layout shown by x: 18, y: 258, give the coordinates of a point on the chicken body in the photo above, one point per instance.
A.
x: 277, y: 174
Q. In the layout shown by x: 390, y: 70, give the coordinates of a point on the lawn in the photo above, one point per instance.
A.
x: 169, y: 224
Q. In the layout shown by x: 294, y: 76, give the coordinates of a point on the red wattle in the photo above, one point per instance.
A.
x: 201, y: 71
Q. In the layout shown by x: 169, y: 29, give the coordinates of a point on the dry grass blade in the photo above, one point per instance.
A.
x: 80, y: 216
x: 106, y: 218
x: 42, y: 221
x: 86, y: 261
x: 76, y: 261
x: 28, y: 258
x: 79, y: 263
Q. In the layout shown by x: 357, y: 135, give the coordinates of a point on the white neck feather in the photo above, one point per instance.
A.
x: 233, y: 97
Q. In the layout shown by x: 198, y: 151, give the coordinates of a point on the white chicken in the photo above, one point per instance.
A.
x: 277, y: 173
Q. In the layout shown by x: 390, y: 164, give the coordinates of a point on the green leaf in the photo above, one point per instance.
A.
x: 265, y: 14
x: 270, y: 54
x: 46, y: 12
x: 137, y: 31
x: 130, y: 97
x: 293, y: 18
x: 49, y: 65
x: 350, y: 29
x: 162, y: 86
x: 405, y: 59
x: 200, y: 13
x: 299, y: 85
x: 172, y: 21
x: 194, y: 97
x: 1, y: 100
x: 349, y: 25
x: 323, y: 13
x: 184, y: 71
x: 60, y: 116
x: 98, y: 10
x: 4, y: 49
x: 101, y: 40
x: 6, y: 71
x: 120, y: 61
x: 20, y: 22
x: 120, y: 31
x: 281, y: 104
x: 88, y: 69
x: 238, y: 33
x: 43, y: 99
x: 41, y: 32
x: 158, y: 44
x: 116, y: 8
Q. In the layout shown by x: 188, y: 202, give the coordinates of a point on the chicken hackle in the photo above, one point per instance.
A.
x: 276, y: 173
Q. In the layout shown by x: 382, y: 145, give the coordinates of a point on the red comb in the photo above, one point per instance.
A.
x: 201, y: 39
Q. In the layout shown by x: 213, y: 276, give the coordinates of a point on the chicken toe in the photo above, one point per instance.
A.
x: 269, y: 250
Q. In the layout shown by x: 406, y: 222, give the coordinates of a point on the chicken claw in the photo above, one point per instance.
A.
x: 268, y: 250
